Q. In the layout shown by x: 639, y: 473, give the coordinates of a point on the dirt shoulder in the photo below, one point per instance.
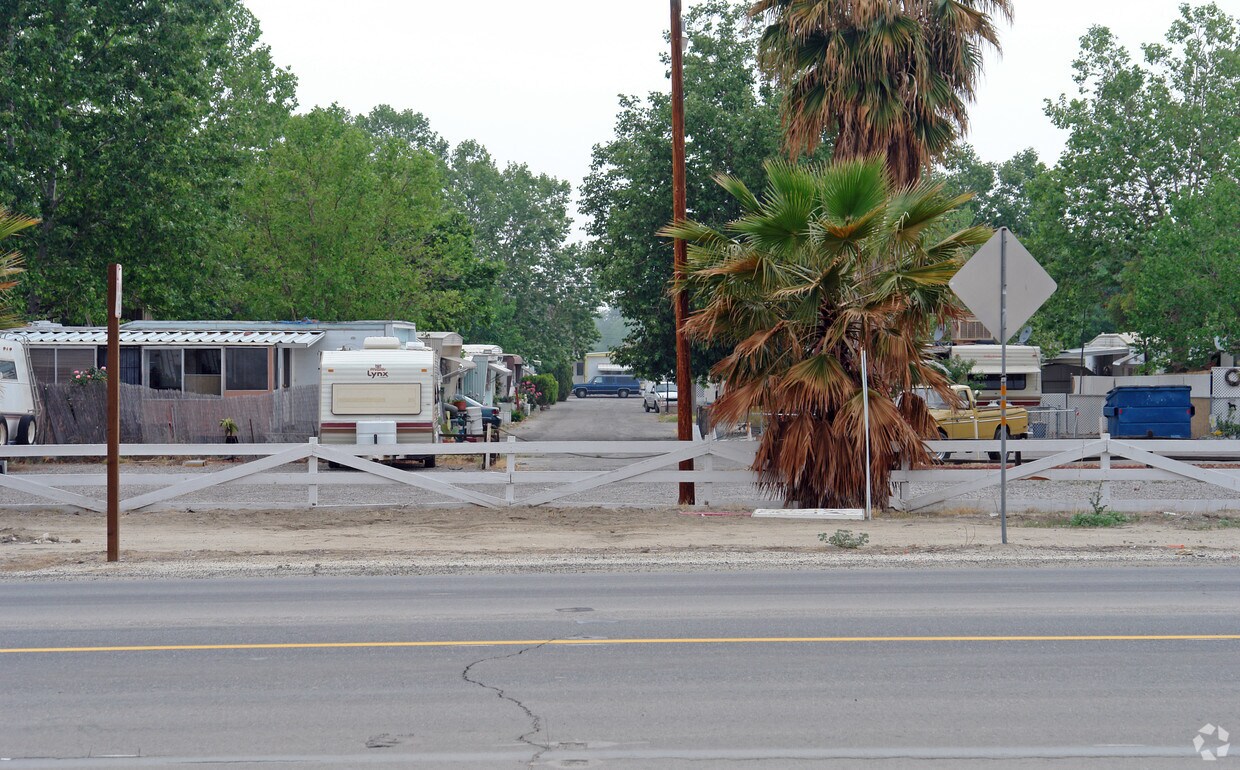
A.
x: 60, y: 545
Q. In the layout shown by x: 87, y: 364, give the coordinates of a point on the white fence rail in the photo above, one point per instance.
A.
x: 1073, y: 460
x: 656, y: 462
x: 1055, y: 462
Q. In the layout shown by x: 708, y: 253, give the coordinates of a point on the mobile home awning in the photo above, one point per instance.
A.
x: 1013, y: 368
x: 187, y: 338
x: 461, y: 363
x: 498, y: 369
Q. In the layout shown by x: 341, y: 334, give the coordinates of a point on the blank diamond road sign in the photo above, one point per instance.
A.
x: 977, y: 284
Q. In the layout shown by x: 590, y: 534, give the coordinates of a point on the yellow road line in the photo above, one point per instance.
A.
x: 602, y: 641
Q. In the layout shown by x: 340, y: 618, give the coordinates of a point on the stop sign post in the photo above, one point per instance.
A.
x: 1002, y: 263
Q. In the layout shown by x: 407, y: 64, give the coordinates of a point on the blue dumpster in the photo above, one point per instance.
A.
x: 1149, y: 411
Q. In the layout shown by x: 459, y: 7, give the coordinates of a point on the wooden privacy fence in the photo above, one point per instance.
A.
x: 77, y: 414
x: 647, y: 462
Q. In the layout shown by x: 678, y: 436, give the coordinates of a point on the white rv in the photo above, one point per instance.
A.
x: 17, y: 401
x: 384, y: 394
x: 1024, y: 372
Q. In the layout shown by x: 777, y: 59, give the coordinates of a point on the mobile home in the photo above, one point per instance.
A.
x: 17, y: 402
x: 1024, y: 372
x: 385, y: 394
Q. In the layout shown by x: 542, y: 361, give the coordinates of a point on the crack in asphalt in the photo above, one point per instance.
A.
x: 535, y: 720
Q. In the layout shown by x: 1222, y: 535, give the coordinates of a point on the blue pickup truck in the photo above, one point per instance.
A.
x: 608, y: 385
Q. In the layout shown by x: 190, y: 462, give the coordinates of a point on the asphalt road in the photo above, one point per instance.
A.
x: 941, y: 668
x: 598, y: 418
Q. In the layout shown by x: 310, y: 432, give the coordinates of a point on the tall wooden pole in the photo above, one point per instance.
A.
x: 684, y: 377
x: 114, y: 412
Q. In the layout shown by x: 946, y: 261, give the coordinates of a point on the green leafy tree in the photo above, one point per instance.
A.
x: 879, y: 77
x: 826, y: 263
x: 124, y: 127
x: 544, y: 300
x: 732, y: 123
x: 1001, y: 191
x: 335, y: 224
x: 1142, y: 137
x: 413, y: 128
x: 1186, y: 287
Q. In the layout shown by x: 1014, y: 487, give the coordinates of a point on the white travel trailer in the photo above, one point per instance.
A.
x: 1024, y: 372
x: 17, y: 401
x: 385, y: 394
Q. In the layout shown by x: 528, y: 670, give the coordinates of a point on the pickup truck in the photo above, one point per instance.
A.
x: 966, y: 419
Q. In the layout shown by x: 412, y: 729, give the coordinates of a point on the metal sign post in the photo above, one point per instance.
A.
x: 114, y: 412
x: 975, y: 285
x: 1003, y: 428
x: 865, y: 411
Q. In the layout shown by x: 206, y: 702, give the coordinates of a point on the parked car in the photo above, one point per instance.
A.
x: 608, y: 385
x: 659, y: 396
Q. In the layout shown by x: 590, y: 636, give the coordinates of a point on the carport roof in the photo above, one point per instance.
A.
x: 170, y: 338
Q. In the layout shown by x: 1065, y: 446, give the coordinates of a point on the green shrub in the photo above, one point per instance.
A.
x: 844, y: 538
x: 543, y: 387
x: 1103, y: 518
x: 564, y: 379
x: 550, y: 387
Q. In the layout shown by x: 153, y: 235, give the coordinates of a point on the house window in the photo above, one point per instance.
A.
x: 247, y: 369
x: 131, y: 363
x: 581, y: 368
x: 66, y: 361
x: 43, y: 364
x: 286, y: 375
x: 163, y: 368
x: 202, y: 371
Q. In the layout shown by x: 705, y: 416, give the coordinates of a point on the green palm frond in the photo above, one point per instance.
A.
x: 11, y: 266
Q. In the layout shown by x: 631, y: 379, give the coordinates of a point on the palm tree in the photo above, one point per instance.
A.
x: 10, y: 265
x: 828, y: 261
x: 882, y: 76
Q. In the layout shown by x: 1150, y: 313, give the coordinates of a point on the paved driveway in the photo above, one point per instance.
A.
x: 597, y: 418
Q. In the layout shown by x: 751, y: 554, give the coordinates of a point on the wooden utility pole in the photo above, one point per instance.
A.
x: 684, y: 377
x: 114, y: 412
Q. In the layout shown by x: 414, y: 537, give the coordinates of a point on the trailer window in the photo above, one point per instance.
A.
x: 163, y: 368
x: 991, y: 382
x: 8, y: 370
x: 202, y: 371
x: 377, y: 398
x: 247, y: 369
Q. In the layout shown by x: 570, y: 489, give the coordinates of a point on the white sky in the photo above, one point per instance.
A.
x: 536, y: 81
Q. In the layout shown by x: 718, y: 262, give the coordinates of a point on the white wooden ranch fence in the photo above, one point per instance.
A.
x: 656, y: 461
x: 1062, y: 461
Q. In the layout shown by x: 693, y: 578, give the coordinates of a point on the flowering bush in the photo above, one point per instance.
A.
x: 542, y: 389
x: 93, y: 374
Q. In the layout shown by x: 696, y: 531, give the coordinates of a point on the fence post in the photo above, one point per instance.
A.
x: 708, y: 465
x: 902, y: 487
x: 312, y: 467
x: 1104, y: 462
x: 511, y: 462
